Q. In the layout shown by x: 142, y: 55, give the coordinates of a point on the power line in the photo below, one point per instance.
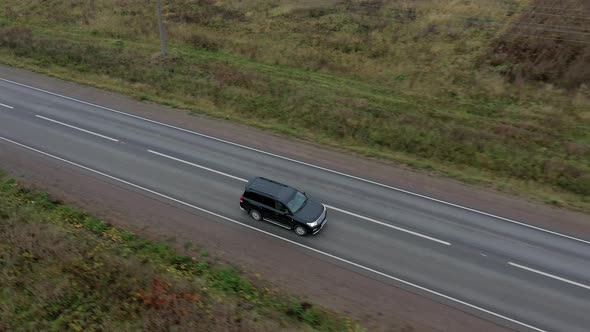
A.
x: 479, y: 22
x: 554, y: 15
x: 559, y: 8
x: 500, y: 7
x: 489, y: 28
x: 399, y: 16
x: 523, y: 34
x: 543, y: 37
x: 397, y: 12
x: 507, y: 11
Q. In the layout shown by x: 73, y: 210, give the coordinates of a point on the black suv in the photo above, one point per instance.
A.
x: 283, y: 206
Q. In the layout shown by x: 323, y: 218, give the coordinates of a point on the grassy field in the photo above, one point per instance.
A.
x: 63, y: 270
x: 444, y: 85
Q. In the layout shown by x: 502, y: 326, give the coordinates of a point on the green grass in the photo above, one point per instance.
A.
x: 63, y: 269
x: 390, y: 83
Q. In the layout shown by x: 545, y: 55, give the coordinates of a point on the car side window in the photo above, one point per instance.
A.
x: 267, y: 201
x: 252, y: 196
x: 260, y: 199
x: 279, y: 206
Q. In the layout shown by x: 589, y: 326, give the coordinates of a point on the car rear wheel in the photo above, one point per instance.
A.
x: 300, y: 230
x: 255, y: 215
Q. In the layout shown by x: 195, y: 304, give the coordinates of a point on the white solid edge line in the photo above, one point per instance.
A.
x: 74, y: 127
x: 281, y: 238
x: 302, y: 163
x: 549, y: 275
x: 7, y: 106
x: 197, y: 165
x: 328, y: 206
x: 389, y: 225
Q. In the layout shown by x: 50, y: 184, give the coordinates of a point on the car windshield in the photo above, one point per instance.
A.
x: 297, y: 202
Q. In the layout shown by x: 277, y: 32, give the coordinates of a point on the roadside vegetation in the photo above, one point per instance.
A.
x: 62, y: 269
x: 481, y: 91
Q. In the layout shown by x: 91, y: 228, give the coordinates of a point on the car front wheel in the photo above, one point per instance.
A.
x: 300, y: 230
x: 255, y: 215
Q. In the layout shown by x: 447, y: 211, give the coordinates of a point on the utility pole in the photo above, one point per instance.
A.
x: 161, y: 24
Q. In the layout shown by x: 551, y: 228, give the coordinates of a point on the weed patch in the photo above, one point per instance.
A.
x: 63, y: 269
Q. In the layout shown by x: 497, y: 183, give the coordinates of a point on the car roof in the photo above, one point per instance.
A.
x: 271, y: 188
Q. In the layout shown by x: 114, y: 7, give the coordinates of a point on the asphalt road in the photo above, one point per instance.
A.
x: 520, y: 276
